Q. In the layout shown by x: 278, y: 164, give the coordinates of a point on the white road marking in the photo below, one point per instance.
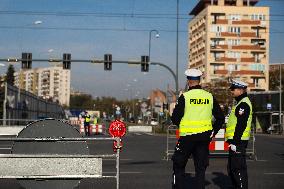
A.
x: 119, y: 159
x: 260, y: 160
x: 5, y: 148
x: 273, y: 173
x: 124, y: 172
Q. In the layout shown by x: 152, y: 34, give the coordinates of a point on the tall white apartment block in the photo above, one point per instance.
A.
x: 48, y: 83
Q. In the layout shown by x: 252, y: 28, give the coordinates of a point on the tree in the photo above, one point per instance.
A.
x: 274, y: 76
x: 10, y: 78
x: 83, y: 101
x: 220, y: 90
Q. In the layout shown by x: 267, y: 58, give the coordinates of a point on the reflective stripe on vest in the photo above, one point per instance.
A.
x: 232, y: 122
x: 197, y: 116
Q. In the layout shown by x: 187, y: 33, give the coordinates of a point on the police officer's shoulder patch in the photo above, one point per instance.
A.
x: 241, y: 111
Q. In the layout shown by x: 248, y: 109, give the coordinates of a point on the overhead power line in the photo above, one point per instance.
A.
x: 110, y: 15
x: 101, y: 29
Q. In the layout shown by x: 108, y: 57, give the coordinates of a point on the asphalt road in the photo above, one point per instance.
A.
x: 143, y: 166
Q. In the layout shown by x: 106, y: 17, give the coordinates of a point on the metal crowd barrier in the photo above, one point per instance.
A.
x: 218, y: 146
x: 251, y: 151
x: 55, y: 166
x: 171, y: 140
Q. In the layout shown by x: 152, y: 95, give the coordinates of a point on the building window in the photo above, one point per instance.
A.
x: 234, y: 41
x: 233, y: 67
x: 236, y: 30
x: 233, y: 54
x: 257, y: 67
x: 258, y: 17
x: 216, y: 28
x: 256, y: 82
x: 235, y: 17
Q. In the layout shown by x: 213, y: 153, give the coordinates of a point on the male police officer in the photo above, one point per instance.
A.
x: 237, y: 134
x: 87, y: 119
x: 193, y: 115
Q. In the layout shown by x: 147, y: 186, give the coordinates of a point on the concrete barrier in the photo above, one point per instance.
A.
x: 10, y: 130
x: 36, y: 166
x: 138, y: 128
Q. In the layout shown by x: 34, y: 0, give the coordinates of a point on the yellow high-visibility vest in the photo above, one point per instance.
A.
x: 87, y: 118
x: 232, y: 122
x: 197, y: 116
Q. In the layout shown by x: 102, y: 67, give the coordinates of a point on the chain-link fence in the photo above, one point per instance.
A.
x: 18, y: 105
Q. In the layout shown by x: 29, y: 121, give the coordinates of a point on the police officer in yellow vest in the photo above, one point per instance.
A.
x: 87, y: 119
x: 237, y: 134
x: 193, y: 114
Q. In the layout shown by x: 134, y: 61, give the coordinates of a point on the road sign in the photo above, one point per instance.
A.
x: 117, y: 128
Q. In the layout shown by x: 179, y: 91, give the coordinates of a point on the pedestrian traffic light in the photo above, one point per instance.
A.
x: 66, y: 61
x: 108, y: 62
x: 144, y: 63
x: 165, y: 106
x: 26, y: 60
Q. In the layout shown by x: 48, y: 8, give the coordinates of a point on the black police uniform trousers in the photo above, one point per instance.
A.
x: 237, y: 167
x: 87, y: 128
x: 184, y: 148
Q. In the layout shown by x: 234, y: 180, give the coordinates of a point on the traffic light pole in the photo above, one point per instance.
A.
x: 96, y: 61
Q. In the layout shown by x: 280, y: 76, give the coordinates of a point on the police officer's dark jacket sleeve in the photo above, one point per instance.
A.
x: 242, y: 113
x: 178, y: 111
x: 218, y: 115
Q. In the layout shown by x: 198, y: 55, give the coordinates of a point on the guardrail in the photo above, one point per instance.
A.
x: 55, y: 166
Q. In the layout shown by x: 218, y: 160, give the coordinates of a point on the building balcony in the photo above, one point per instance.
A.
x: 248, y: 72
x: 201, y: 26
x: 221, y: 21
x: 201, y: 50
x: 254, y: 73
x: 248, y: 47
x: 225, y: 59
x: 250, y: 59
x: 221, y: 72
x: 248, y: 34
x: 246, y: 22
x: 219, y: 47
x: 229, y: 34
x: 200, y: 62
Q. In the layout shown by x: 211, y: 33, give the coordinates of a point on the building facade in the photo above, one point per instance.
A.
x: 230, y: 39
x: 49, y: 83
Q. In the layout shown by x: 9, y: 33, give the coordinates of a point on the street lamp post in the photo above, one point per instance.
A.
x: 150, y: 35
x: 177, y: 87
x: 280, y: 97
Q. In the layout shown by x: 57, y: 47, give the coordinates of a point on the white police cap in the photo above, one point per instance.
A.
x: 237, y: 84
x: 193, y: 74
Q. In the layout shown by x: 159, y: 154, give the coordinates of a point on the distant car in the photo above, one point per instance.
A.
x: 154, y: 122
x: 132, y: 120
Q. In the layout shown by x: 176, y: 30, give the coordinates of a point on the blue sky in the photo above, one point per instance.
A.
x: 91, y: 28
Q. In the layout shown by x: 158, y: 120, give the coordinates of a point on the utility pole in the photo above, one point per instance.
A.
x: 177, y: 87
x: 280, y: 98
x: 4, y: 105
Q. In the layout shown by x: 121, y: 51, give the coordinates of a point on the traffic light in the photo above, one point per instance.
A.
x: 165, y: 106
x: 144, y: 63
x: 66, y: 61
x: 27, y: 60
x: 108, y: 62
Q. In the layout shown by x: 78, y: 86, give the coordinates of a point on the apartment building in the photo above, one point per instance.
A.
x: 230, y: 39
x: 48, y: 83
